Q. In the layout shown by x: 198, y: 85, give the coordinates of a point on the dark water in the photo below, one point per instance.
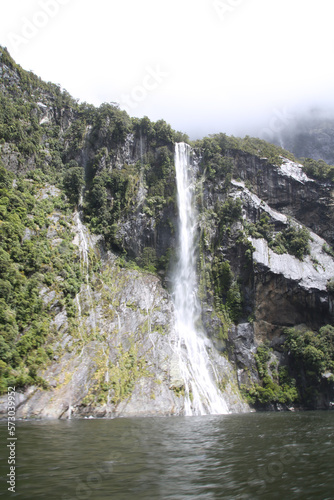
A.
x: 269, y: 456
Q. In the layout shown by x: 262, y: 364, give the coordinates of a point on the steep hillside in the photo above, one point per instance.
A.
x: 89, y: 229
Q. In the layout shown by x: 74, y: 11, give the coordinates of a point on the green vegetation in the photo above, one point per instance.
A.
x: 157, y: 133
x: 73, y: 181
x: 42, y: 124
x: 310, y: 369
x: 330, y: 285
x: 122, y: 376
x: 111, y: 195
x: 221, y: 144
x: 148, y: 260
x: 227, y: 293
x: 179, y: 391
x: 218, y: 164
x: 219, y: 285
x: 114, y: 195
x: 56, y: 143
x: 260, y: 148
x: 318, y: 169
x: 263, y: 228
x: 311, y: 358
x: 326, y: 248
x: 22, y: 107
x: 230, y: 211
x: 30, y: 260
x: 292, y: 239
x: 48, y: 139
x: 276, y: 386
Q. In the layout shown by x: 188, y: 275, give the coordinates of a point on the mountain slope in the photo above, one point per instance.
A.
x: 88, y: 233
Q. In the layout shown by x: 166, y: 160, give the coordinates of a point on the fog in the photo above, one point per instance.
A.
x: 205, y: 66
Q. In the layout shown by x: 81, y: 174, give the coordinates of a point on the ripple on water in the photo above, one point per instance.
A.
x: 265, y: 456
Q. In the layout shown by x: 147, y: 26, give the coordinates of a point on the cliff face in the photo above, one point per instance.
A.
x: 117, y: 356
x: 279, y: 290
x: 289, y: 291
x: 290, y: 191
x: 265, y: 262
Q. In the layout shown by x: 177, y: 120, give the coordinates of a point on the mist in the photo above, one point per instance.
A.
x: 242, y: 67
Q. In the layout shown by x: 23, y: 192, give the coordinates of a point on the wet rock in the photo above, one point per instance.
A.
x: 128, y: 317
x: 243, y: 346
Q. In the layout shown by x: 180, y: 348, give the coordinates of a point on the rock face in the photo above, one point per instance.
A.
x: 118, y: 357
x: 113, y: 354
x: 279, y: 290
x: 287, y: 291
x: 119, y: 360
x: 288, y: 190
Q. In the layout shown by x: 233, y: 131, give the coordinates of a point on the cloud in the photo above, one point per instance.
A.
x: 230, y: 63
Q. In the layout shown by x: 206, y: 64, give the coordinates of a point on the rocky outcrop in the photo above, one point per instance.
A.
x: 118, y: 356
x: 279, y: 290
x: 288, y: 190
x: 139, y: 230
x: 119, y: 360
x: 287, y: 291
x: 243, y: 347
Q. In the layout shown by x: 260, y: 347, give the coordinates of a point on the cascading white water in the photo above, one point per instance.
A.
x: 201, y: 393
x: 84, y: 245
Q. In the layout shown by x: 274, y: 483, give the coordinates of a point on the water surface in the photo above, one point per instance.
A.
x: 249, y: 456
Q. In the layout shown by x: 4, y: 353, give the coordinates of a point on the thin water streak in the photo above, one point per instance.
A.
x: 84, y: 245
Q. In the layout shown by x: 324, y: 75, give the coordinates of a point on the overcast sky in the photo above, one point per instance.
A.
x: 204, y: 66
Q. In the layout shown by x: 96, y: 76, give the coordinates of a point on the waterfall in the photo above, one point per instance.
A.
x: 83, y: 240
x: 84, y: 244
x: 70, y: 406
x: 201, y: 393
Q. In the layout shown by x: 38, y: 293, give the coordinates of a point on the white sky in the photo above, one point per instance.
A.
x: 204, y: 66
